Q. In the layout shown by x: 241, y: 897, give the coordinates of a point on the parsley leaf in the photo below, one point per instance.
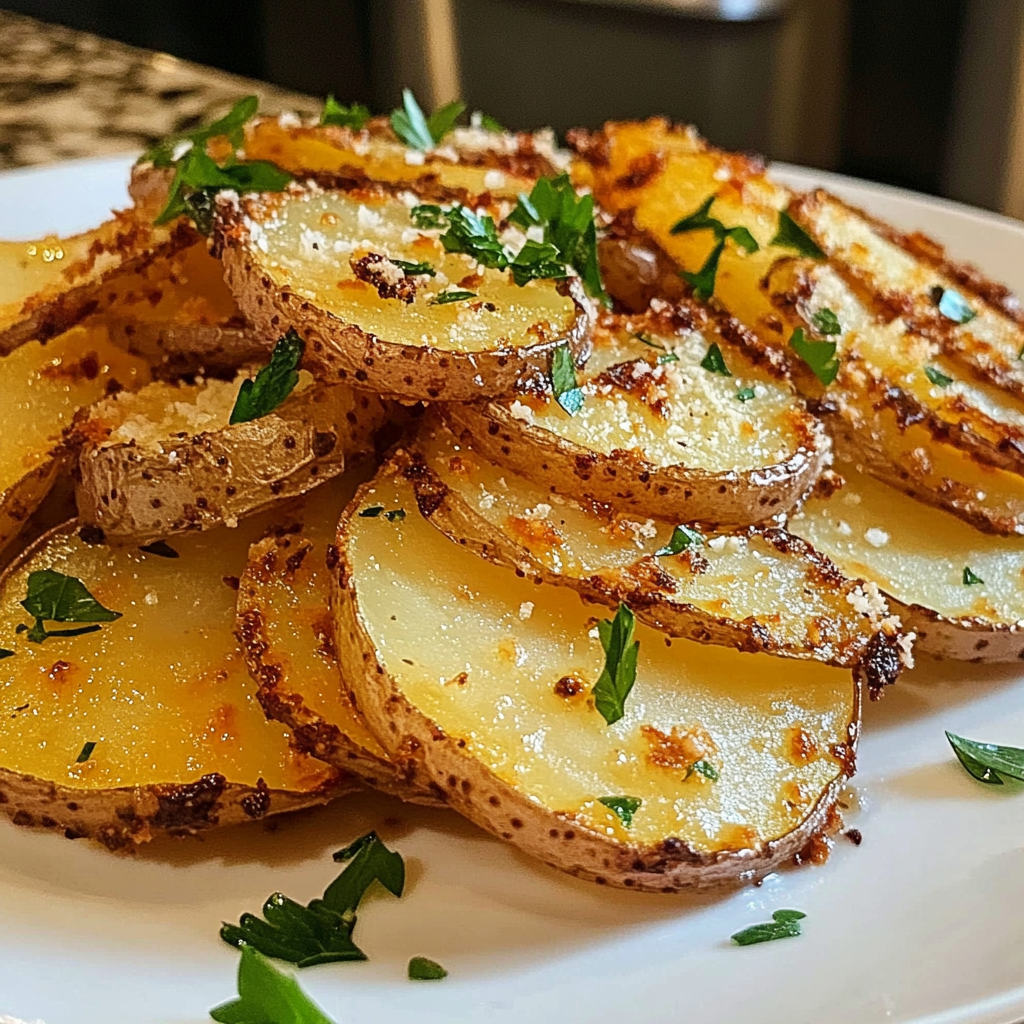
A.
x: 321, y: 932
x: 490, y: 124
x: 791, y: 236
x: 714, y: 361
x: 624, y: 806
x: 273, y: 384
x: 428, y: 216
x: 268, y: 996
x: 415, y: 268
x: 698, y: 220
x: 937, y: 377
x: 537, y: 260
x: 743, y: 239
x: 442, y: 120
x: 54, y: 597
x: 665, y: 357
x: 417, y: 130
x: 395, y: 515
x: 371, y: 512
x: 443, y: 298
x: 564, y: 385
x: 785, y: 924
x: 683, y: 537
x: 988, y: 762
x: 422, y: 969
x: 820, y: 356
x: 703, y: 281
x: 354, y: 116
x: 705, y: 768
x: 231, y: 125
x: 745, y: 394
x: 826, y: 322
x: 475, y: 235
x: 86, y: 752
x: 971, y: 578
x: 953, y: 306
x: 619, y: 673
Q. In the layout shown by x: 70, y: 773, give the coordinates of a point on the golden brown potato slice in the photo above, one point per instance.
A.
x: 43, y: 387
x: 181, y: 744
x: 659, y: 429
x: 168, y: 460
x: 480, y: 681
x: 321, y: 262
x: 959, y: 589
x: 287, y: 632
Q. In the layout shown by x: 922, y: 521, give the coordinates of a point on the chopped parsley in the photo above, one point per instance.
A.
x: 395, y: 515
x: 373, y: 511
x: 785, y: 924
x: 273, y: 384
x: 704, y: 768
x: 745, y: 394
x: 422, y: 969
x: 417, y: 130
x: 703, y: 281
x: 564, y: 385
x: 320, y: 932
x: 475, y: 235
x: 624, y: 806
x: 415, y: 268
x: 619, y: 673
x: 452, y: 295
x: 537, y: 261
x: 820, y: 356
x: 714, y: 361
x: 354, y: 116
x: 683, y: 537
x: 953, y: 306
x: 988, y: 762
x: 665, y: 357
x: 160, y: 548
x: 86, y: 752
x: 937, y: 377
x: 231, y: 125
x: 54, y: 597
x: 488, y: 123
x: 971, y: 578
x: 826, y: 322
x: 428, y: 216
x: 791, y: 236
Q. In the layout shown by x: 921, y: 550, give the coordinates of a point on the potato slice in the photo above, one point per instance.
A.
x: 43, y: 387
x: 167, y: 459
x: 181, y: 743
x: 478, y: 680
x: 919, y: 557
x: 659, y: 433
x: 293, y: 260
x: 287, y: 632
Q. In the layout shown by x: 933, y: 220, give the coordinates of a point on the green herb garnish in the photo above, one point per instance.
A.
x: 683, y: 537
x: 475, y: 235
x: 665, y: 357
x: 427, y: 216
x: 453, y: 295
x: 354, y: 116
x: 415, y: 268
x: 160, y: 548
x: 705, y: 768
x: 619, y: 673
x: 371, y: 512
x: 268, y: 996
x: 745, y: 394
x: 86, y: 752
x: 394, y: 515
x: 419, y: 131
x: 490, y: 124
x: 937, y: 377
x: 785, y: 924
x: 988, y: 762
x: 321, y: 931
x: 564, y: 385
x: 714, y: 361
x: 232, y: 125
x: 537, y: 261
x: 699, y: 219
x: 703, y: 281
x: 274, y: 382
x: 54, y: 597
x: 791, y: 236
x: 422, y: 969
x: 624, y: 806
x: 826, y: 322
x: 953, y: 306
x: 971, y: 578
x: 820, y: 356
x: 5, y: 653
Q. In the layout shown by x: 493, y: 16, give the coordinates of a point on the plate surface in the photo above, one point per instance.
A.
x: 921, y: 923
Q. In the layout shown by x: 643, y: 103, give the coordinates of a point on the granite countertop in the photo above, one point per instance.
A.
x: 67, y: 94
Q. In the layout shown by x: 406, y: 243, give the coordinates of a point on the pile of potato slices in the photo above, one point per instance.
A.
x: 583, y: 493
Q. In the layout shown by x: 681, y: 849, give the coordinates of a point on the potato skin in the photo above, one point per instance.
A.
x: 195, y: 483
x: 966, y: 639
x: 426, y: 753
x: 22, y: 498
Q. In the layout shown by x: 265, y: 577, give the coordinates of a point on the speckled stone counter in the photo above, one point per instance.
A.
x: 66, y: 94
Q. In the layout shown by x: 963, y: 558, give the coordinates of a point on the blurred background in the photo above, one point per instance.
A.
x: 928, y: 94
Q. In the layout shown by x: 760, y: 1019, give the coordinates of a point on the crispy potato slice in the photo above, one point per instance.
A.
x: 305, y: 259
x: 918, y: 557
x: 43, y: 387
x: 479, y: 680
x: 181, y: 743
x: 286, y: 629
x: 658, y: 432
x: 759, y: 590
x: 167, y: 459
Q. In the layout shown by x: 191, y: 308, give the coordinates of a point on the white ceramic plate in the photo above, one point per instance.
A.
x: 922, y: 923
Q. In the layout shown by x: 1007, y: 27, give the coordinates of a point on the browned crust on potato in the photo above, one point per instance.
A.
x: 428, y: 754
x: 22, y: 498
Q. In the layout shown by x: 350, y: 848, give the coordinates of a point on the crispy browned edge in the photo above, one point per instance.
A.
x: 124, y: 817
x: 340, y: 351
x: 281, y: 697
x: 22, y: 498
x: 426, y: 752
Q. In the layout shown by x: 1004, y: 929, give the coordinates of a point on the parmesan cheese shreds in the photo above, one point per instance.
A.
x: 876, y: 537
x: 521, y: 412
x: 494, y: 179
x: 289, y: 119
x: 867, y: 600
x: 415, y: 158
x: 541, y: 511
x: 906, y: 646
x: 717, y: 543
x: 525, y: 610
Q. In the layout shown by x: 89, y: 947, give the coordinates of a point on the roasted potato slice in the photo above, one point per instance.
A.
x: 321, y: 262
x: 660, y: 430
x: 168, y: 460
x: 287, y: 632
x: 43, y: 387
x: 958, y: 589
x: 479, y: 680
x: 181, y: 745
x: 757, y: 590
